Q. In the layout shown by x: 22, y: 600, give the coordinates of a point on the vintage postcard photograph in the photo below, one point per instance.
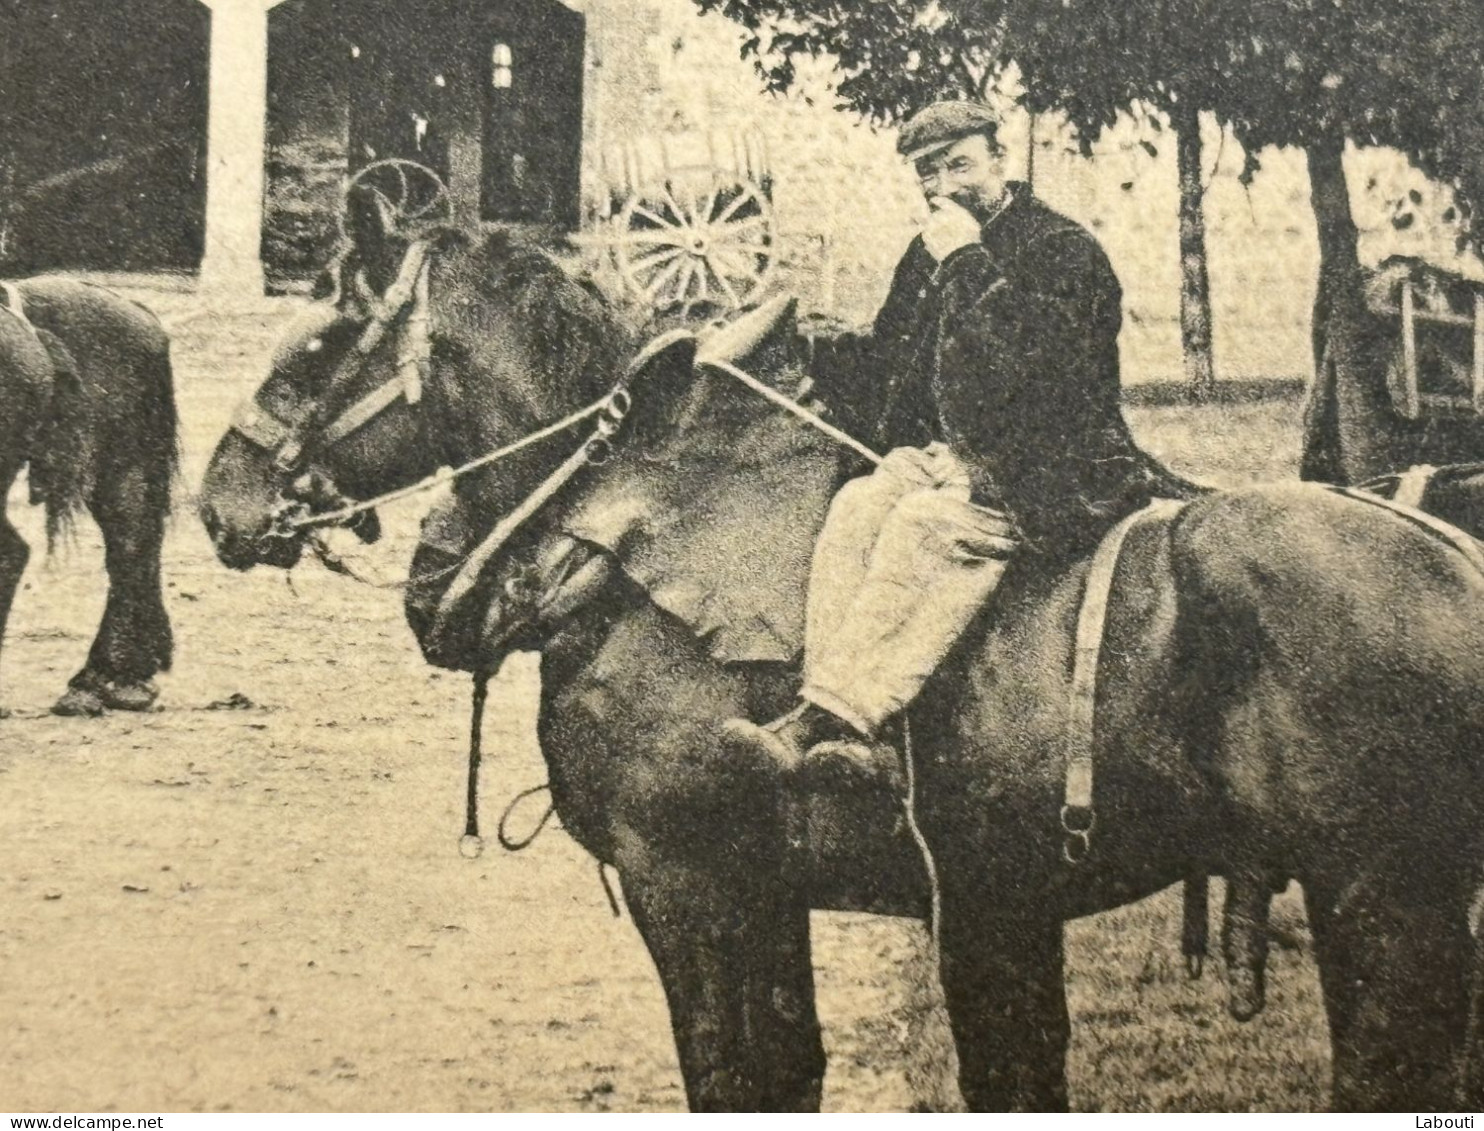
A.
x: 741, y: 555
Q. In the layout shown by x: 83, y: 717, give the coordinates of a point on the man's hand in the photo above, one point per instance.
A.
x: 949, y: 227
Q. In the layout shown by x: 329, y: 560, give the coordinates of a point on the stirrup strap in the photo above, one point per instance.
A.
x: 1077, y: 814
x: 14, y: 303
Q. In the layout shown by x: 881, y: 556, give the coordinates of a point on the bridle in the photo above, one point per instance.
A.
x: 405, y: 305
x: 309, y: 499
x: 291, y: 444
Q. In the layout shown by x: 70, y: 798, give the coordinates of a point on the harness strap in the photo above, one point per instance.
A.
x: 15, y: 303
x: 1450, y: 534
x: 1077, y: 814
x: 364, y: 411
x: 594, y: 450
x: 260, y: 427
x: 405, y: 290
x: 1412, y: 484
x: 415, y: 357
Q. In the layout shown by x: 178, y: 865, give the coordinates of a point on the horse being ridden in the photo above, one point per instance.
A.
x: 1000, y: 337
x: 1290, y: 677
x: 88, y: 405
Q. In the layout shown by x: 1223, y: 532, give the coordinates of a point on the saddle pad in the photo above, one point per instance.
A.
x: 733, y: 566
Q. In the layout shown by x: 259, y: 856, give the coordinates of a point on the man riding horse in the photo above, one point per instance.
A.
x: 994, y: 361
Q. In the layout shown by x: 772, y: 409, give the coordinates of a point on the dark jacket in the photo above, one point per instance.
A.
x: 1008, y: 351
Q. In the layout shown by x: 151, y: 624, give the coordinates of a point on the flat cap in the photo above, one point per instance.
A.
x: 943, y: 123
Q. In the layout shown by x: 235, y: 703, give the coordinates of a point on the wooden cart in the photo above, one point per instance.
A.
x: 687, y: 220
x: 1439, y: 361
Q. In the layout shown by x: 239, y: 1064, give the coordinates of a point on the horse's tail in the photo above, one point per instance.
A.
x: 61, y: 467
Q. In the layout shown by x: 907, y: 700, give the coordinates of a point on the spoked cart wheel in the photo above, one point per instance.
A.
x: 416, y: 195
x: 696, y: 240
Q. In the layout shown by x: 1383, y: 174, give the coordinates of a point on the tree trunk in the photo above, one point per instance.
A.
x: 1339, y: 256
x: 1195, y: 278
x: 1348, y: 423
x: 1030, y: 153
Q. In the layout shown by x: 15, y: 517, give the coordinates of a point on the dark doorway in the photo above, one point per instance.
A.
x: 531, y: 67
x: 404, y: 73
x: 103, y: 132
x: 486, y: 94
x: 308, y: 113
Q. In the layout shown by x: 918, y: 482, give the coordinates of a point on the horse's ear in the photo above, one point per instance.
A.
x: 750, y: 333
x: 663, y: 382
x: 377, y: 246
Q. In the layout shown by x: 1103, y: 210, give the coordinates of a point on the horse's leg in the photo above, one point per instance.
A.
x: 1004, y: 989
x: 1244, y: 938
x: 134, y: 640
x: 1395, y: 959
x: 782, y: 1023
x: 740, y: 990
x: 14, y: 553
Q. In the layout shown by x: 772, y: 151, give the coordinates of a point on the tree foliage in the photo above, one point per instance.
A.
x: 894, y: 56
x: 1402, y: 73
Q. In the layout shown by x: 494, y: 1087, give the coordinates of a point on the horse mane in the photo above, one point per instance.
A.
x: 578, y: 333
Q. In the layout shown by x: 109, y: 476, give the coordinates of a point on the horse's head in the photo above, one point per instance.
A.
x: 441, y: 344
x: 711, y: 490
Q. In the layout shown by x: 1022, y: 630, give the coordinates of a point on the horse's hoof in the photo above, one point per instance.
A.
x: 129, y: 696
x: 79, y: 702
x: 1248, y: 995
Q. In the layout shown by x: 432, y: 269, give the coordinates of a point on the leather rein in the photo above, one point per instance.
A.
x: 403, y: 308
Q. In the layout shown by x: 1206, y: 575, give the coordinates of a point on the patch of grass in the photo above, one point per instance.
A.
x: 1228, y: 444
x: 1145, y: 1037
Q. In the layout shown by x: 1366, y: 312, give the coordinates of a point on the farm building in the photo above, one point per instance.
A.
x: 216, y: 136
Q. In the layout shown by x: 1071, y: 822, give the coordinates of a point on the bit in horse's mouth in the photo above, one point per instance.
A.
x: 243, y: 554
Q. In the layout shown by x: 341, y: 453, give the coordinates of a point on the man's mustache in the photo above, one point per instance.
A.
x: 971, y: 201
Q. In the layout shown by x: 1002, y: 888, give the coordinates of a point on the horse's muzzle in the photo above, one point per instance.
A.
x: 240, y: 550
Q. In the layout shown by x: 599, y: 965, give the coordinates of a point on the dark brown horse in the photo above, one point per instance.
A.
x: 87, y: 404
x: 1292, y: 687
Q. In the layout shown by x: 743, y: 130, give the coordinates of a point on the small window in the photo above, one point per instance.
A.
x: 502, y: 72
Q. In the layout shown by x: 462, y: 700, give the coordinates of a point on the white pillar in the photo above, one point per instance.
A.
x: 236, y: 133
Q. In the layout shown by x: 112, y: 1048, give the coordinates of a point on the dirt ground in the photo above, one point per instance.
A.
x: 252, y: 899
